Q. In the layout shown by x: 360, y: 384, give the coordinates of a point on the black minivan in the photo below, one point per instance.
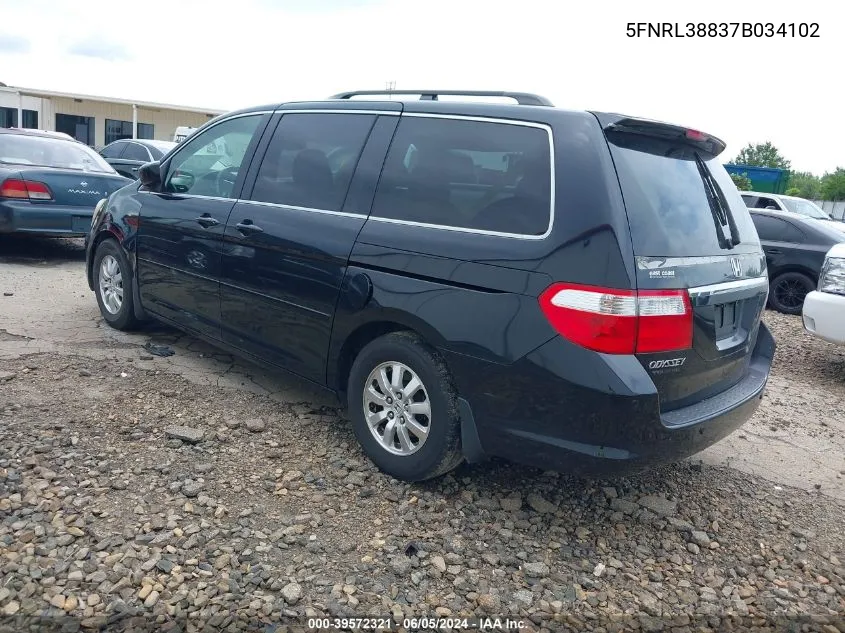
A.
x: 574, y: 290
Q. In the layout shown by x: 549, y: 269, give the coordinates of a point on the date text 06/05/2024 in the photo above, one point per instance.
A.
x: 722, y: 29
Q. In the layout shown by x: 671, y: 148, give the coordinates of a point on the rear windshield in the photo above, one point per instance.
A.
x: 21, y: 149
x: 669, y: 210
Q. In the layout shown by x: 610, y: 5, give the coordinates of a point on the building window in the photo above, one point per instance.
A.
x: 79, y: 127
x: 117, y: 130
x: 30, y: 119
x: 8, y: 117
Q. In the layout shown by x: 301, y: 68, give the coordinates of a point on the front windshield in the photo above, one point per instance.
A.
x: 805, y: 207
x: 22, y: 149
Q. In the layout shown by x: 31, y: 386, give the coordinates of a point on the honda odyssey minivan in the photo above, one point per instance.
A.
x: 574, y: 290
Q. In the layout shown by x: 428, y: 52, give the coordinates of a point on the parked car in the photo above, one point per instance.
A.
x: 779, y: 202
x: 127, y: 155
x: 574, y: 290
x: 49, y: 185
x: 795, y: 247
x: 824, y: 308
x: 53, y: 133
x: 182, y: 132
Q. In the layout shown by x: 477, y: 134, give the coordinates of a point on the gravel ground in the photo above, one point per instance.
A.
x: 111, y: 510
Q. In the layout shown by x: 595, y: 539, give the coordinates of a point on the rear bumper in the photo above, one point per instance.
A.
x: 604, y: 418
x: 824, y: 316
x: 34, y: 218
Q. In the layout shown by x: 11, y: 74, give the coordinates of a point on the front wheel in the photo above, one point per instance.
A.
x: 403, y: 408
x: 113, y: 286
x: 788, y: 290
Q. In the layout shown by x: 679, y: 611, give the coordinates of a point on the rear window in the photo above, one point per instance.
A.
x: 668, y: 207
x: 22, y: 149
x: 465, y: 174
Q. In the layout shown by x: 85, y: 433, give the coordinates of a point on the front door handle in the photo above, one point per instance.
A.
x: 775, y: 251
x: 247, y: 227
x: 206, y: 221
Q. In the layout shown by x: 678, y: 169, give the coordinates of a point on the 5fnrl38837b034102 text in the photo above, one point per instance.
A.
x: 722, y: 29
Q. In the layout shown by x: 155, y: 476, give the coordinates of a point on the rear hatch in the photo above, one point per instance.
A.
x: 692, y: 234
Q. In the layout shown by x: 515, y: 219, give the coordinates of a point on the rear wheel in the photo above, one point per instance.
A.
x: 403, y: 408
x: 788, y: 290
x: 113, y: 286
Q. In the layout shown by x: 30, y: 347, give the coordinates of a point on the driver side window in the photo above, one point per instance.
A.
x: 208, y: 164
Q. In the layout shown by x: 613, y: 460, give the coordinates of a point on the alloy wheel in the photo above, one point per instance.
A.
x: 397, y: 408
x: 111, y: 284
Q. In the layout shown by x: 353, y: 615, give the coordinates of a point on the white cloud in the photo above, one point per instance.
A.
x: 221, y: 54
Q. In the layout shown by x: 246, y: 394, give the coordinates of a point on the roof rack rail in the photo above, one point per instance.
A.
x: 522, y: 98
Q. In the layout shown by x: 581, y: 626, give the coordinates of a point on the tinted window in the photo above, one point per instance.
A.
x: 159, y: 148
x: 749, y: 201
x: 467, y: 174
x: 136, y: 152
x: 776, y: 230
x: 79, y: 127
x: 310, y: 160
x: 208, y: 164
x: 114, y: 150
x: 146, y: 130
x: 668, y: 208
x: 765, y: 203
x: 116, y: 130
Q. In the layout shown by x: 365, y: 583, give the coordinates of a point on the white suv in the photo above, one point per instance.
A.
x: 824, y: 308
x: 779, y: 202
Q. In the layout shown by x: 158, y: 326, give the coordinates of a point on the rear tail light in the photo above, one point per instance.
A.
x: 25, y: 189
x: 620, y: 321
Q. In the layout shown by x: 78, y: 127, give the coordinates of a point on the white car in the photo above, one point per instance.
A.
x: 824, y: 308
x: 780, y: 202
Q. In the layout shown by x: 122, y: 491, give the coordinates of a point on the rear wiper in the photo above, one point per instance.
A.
x: 719, y: 207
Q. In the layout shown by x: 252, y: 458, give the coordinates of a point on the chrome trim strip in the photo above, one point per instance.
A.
x: 187, y: 195
x: 730, y: 286
x: 647, y: 262
x: 290, y: 207
x: 518, y: 236
x: 460, y: 229
x: 338, y: 111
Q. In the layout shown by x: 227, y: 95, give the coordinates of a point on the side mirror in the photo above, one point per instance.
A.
x: 772, y: 207
x: 150, y: 175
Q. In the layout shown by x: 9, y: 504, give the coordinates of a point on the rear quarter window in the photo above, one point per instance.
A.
x: 466, y: 174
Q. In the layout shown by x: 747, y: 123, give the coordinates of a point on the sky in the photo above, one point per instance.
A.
x: 231, y: 54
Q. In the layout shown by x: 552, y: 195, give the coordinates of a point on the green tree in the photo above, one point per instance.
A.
x: 742, y: 181
x: 833, y: 185
x: 761, y: 155
x: 805, y: 184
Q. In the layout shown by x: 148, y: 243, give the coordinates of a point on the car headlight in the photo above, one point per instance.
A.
x: 833, y: 276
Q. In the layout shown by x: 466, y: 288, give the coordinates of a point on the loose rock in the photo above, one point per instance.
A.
x: 185, y: 434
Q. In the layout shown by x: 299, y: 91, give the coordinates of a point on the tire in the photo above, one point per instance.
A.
x: 112, y: 272
x: 435, y: 452
x: 788, y: 290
